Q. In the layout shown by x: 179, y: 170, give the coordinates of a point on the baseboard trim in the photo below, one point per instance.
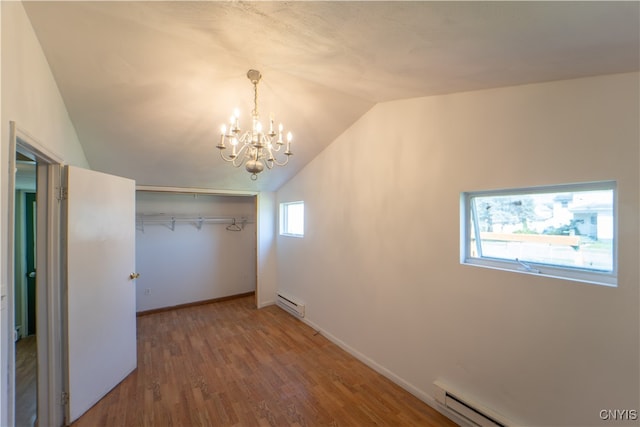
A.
x: 401, y: 382
x: 266, y: 304
x: 193, y: 304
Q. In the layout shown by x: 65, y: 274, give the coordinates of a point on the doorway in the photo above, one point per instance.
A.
x: 33, y: 308
x: 25, y: 312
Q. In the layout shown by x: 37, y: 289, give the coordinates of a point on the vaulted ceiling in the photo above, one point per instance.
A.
x: 148, y: 84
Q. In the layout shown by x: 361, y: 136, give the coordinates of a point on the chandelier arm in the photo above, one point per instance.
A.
x: 276, y: 147
x: 268, y: 163
x: 235, y: 161
x: 240, y: 157
x: 244, y: 152
x: 275, y: 161
x: 225, y: 158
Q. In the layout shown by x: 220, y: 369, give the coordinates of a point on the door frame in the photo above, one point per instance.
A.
x: 48, y: 286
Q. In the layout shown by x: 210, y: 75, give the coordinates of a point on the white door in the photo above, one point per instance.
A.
x: 101, y: 307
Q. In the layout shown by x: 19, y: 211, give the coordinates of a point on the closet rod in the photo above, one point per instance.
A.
x: 193, y: 218
x: 141, y: 220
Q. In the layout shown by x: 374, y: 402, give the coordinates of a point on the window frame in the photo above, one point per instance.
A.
x: 578, y: 274
x: 284, y: 219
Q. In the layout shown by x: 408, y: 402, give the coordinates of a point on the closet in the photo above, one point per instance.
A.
x: 193, y: 248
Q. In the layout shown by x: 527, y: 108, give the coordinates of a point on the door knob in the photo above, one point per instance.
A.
x: 134, y: 276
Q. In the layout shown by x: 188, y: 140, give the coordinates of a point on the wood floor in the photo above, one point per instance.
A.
x: 26, y: 359
x: 228, y: 364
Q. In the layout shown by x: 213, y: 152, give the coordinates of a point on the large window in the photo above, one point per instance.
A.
x: 292, y: 219
x: 566, y: 231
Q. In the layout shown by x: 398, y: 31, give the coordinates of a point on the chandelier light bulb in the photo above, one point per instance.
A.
x: 223, y: 129
x: 235, y: 118
x: 279, y: 141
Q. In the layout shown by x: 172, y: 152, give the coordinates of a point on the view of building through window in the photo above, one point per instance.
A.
x: 568, y: 228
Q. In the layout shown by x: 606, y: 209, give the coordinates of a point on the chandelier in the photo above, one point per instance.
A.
x: 254, y: 148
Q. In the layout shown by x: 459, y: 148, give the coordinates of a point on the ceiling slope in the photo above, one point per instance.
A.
x: 148, y: 84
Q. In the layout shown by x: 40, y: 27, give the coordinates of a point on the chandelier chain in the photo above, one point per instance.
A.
x: 255, y: 99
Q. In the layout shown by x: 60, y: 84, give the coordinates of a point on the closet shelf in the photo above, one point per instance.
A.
x: 234, y: 223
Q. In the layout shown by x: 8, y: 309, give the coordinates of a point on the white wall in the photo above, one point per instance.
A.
x: 30, y: 97
x: 190, y: 264
x: 379, y: 269
x: 267, y: 273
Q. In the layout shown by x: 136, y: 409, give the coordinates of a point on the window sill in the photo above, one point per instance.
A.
x: 575, y: 275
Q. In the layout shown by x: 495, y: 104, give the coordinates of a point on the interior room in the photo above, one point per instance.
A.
x: 444, y: 230
x: 204, y: 243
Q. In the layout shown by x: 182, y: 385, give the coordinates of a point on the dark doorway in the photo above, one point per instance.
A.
x: 30, y: 251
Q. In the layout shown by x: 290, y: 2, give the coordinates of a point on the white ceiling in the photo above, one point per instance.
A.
x: 148, y: 84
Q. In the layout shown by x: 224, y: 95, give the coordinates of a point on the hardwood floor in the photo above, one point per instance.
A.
x: 26, y: 360
x: 228, y: 364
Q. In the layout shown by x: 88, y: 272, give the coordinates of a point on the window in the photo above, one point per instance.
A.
x: 292, y: 219
x: 566, y: 231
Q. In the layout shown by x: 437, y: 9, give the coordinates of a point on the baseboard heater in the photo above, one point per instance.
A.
x: 290, y: 304
x: 470, y: 411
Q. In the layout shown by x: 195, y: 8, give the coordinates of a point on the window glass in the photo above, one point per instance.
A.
x: 570, y: 227
x: 292, y: 219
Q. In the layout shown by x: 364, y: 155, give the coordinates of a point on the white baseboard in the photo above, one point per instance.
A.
x: 406, y: 385
x: 266, y: 304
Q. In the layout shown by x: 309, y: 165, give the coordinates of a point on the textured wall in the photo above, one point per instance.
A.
x: 379, y: 265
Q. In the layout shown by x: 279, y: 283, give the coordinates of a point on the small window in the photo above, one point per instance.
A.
x: 566, y: 231
x: 292, y: 219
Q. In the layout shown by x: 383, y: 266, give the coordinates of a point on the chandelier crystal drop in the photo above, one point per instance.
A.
x: 254, y: 148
